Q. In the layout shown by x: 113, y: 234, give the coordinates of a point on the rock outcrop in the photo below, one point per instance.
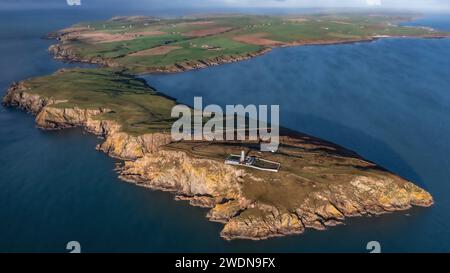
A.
x: 66, y: 53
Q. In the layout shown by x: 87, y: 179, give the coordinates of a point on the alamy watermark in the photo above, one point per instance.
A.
x: 374, y: 247
x: 237, y: 122
x: 74, y: 247
x: 73, y: 2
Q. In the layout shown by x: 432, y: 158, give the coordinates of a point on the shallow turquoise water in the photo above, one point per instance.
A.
x: 386, y: 100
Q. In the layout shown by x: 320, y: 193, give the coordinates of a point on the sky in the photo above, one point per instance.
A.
x: 420, y: 5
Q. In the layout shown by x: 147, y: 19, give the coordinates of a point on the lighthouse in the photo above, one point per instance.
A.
x: 242, y: 159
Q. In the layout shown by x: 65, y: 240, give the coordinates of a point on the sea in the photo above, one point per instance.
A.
x: 387, y: 100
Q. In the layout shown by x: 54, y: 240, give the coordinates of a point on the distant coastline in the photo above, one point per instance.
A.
x: 177, y: 45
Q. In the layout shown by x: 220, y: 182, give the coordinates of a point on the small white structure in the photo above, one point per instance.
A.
x: 252, y: 162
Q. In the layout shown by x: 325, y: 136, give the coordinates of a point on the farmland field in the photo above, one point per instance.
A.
x: 209, y: 40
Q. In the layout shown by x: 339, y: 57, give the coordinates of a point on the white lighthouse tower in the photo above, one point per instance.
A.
x: 242, y: 159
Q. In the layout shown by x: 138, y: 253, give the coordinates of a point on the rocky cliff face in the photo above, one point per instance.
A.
x: 65, y: 53
x: 18, y: 96
x: 323, y: 209
x: 229, y: 191
x: 197, y: 64
x: 219, y: 187
x: 50, y: 116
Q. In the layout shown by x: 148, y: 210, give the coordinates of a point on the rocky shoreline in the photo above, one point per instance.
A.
x: 210, y: 183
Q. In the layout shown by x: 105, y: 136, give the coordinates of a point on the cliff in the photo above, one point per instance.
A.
x: 66, y: 53
x: 50, y: 116
x: 319, y: 185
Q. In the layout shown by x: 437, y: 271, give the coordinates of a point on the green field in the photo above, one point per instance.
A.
x: 205, y: 38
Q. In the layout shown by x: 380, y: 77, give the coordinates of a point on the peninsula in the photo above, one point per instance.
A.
x: 146, y: 44
x: 318, y: 185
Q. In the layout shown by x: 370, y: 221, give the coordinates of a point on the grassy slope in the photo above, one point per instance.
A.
x: 282, y: 29
x: 134, y: 104
x: 187, y: 53
x: 307, y: 166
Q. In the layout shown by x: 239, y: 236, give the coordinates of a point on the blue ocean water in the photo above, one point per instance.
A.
x: 387, y: 100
